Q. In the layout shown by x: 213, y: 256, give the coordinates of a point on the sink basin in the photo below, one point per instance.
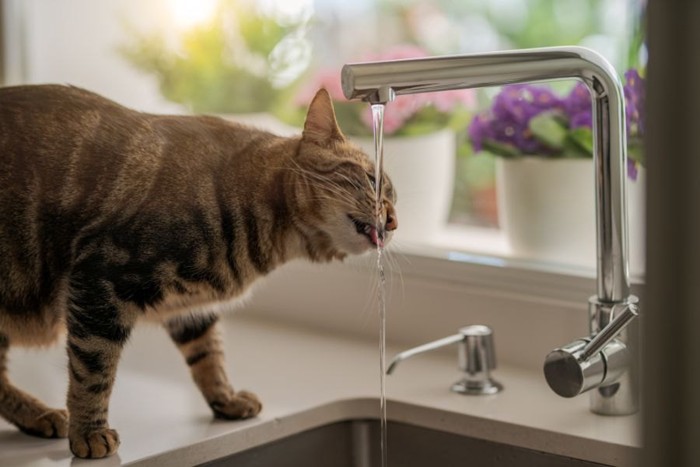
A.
x: 355, y: 443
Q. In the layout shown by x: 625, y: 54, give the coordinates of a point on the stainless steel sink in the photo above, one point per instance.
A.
x: 355, y: 443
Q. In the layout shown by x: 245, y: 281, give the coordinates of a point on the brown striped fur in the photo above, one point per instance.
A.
x: 109, y: 216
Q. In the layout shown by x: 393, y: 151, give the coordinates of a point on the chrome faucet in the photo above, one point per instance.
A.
x: 606, y: 361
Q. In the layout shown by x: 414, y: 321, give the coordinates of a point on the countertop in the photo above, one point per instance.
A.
x: 305, y: 378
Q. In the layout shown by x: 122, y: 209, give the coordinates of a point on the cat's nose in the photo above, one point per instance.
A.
x: 391, y: 222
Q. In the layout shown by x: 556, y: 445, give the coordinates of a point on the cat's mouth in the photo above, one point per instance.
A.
x: 368, y: 230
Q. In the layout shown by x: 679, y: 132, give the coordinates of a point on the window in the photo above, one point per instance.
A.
x: 144, y: 54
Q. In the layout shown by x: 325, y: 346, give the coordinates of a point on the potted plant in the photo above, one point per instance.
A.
x: 419, y: 142
x: 238, y: 62
x: 545, y: 173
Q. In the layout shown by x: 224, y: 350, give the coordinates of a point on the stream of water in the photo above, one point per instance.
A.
x: 378, y: 130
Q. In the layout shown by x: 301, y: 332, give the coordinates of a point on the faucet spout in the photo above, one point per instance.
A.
x: 376, y: 82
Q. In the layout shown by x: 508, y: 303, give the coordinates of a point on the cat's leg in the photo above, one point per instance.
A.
x: 24, y: 411
x: 199, y: 340
x: 98, y: 328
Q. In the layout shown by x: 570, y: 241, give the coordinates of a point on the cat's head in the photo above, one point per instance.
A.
x: 340, y: 185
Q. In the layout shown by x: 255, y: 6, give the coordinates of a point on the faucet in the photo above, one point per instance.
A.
x: 607, y: 360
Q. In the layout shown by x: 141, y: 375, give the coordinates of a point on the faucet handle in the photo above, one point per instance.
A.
x: 476, y: 356
x: 591, y: 362
x: 612, y: 330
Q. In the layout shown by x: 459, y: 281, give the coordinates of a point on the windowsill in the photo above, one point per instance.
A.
x: 489, y: 246
x: 485, y: 241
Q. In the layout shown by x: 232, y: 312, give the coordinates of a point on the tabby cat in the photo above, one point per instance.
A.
x: 109, y: 216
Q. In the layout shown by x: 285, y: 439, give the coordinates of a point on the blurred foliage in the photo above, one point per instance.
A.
x: 636, y: 56
x: 549, y: 23
x: 233, y: 63
x: 229, y: 64
x: 513, y: 25
x: 517, y: 23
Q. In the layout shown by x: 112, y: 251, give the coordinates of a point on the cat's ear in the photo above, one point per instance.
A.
x: 320, y: 127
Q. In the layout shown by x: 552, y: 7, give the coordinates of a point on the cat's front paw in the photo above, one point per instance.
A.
x: 96, y: 444
x: 242, y: 404
x: 52, y: 423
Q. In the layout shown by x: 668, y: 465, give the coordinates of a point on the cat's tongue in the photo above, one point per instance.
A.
x: 376, y: 239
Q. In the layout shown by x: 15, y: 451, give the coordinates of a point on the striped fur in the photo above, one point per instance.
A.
x: 109, y: 216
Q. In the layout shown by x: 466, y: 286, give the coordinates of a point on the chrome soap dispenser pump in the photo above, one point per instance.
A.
x: 476, y: 355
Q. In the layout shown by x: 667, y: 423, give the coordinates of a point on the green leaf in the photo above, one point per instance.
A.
x: 581, y: 139
x: 636, y: 153
x: 501, y: 149
x: 459, y: 119
x: 548, y: 129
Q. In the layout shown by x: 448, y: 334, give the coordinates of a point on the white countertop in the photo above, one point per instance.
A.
x: 305, y: 378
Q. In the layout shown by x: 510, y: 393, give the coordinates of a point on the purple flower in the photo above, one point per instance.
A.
x: 577, y: 106
x: 634, y: 116
x: 634, y: 98
x: 480, y: 130
x: 521, y: 102
x: 632, y: 169
x: 507, y: 122
x: 508, y: 129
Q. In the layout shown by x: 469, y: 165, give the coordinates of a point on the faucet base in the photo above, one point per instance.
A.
x: 609, y: 400
x: 477, y: 388
x: 622, y: 396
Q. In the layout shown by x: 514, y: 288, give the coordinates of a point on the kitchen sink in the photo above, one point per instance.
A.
x: 355, y: 443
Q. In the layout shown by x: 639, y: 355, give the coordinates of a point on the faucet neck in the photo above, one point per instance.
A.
x: 379, y: 81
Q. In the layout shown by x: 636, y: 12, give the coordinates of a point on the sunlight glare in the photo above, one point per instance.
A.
x: 287, y: 10
x: 189, y: 13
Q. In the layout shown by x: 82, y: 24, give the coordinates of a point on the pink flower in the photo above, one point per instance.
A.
x: 392, y: 121
x: 402, y: 109
x: 396, y: 113
x: 446, y: 101
x: 325, y: 78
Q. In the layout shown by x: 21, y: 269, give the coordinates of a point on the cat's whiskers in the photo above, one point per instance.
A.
x: 341, y: 192
x: 371, y: 297
x: 322, y: 178
x: 394, y: 267
x: 325, y: 184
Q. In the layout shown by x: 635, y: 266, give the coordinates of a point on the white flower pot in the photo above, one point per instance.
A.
x: 547, y: 209
x: 422, y: 171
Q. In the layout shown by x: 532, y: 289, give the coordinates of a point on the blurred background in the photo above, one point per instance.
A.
x: 268, y: 56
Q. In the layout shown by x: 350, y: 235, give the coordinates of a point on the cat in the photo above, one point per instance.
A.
x: 109, y: 216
